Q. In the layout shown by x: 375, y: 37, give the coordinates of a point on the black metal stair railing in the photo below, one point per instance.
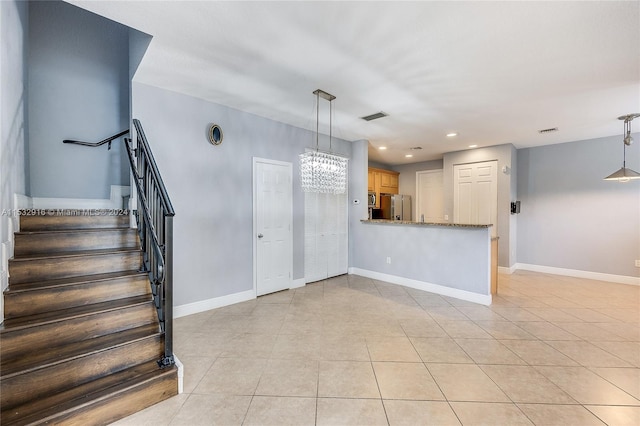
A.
x: 154, y: 218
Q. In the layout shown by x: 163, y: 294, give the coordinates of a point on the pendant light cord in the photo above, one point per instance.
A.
x: 317, y: 121
x: 330, y: 124
x: 627, y: 128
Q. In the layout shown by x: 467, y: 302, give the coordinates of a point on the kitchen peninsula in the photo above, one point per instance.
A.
x: 445, y: 258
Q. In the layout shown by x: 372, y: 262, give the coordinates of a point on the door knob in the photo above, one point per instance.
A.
x: 260, y: 235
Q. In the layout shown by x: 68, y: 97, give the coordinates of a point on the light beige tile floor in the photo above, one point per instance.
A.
x: 550, y: 350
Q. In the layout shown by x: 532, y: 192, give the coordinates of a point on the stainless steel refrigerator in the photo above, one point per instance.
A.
x: 395, y: 207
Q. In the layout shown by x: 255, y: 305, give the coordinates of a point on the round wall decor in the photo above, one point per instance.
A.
x: 215, y: 134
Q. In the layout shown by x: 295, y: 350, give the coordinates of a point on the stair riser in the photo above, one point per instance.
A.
x: 32, y: 339
x: 121, y: 405
x: 30, y: 244
x: 21, y: 303
x: 32, y: 270
x: 18, y: 415
x: 21, y: 388
x: 49, y: 223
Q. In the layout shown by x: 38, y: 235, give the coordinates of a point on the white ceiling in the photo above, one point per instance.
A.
x: 494, y: 72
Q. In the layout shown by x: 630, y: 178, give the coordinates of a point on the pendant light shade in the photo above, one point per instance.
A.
x: 625, y: 174
x: 320, y: 171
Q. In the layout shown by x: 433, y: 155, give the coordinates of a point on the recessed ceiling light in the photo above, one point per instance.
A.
x: 382, y: 148
x: 473, y: 146
x: 409, y: 155
x: 452, y: 134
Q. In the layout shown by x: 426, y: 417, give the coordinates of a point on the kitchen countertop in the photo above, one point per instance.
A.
x: 408, y: 222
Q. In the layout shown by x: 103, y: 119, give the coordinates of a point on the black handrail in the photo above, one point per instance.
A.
x: 154, y: 216
x: 102, y: 142
x: 155, y: 228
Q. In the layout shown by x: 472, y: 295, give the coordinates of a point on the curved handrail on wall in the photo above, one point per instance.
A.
x: 102, y: 142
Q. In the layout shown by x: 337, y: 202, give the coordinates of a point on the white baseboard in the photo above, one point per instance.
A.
x: 21, y: 201
x: 216, y: 302
x: 180, y: 367
x: 4, y: 279
x: 482, y: 299
x: 620, y: 279
x: 298, y: 283
x: 115, y: 201
x: 6, y: 253
x: 507, y: 270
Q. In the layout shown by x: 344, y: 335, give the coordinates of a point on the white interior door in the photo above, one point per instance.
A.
x: 475, y: 194
x: 273, y: 217
x: 326, y: 245
x: 429, y: 196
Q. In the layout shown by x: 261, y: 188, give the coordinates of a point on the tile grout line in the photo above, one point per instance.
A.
x: 375, y: 376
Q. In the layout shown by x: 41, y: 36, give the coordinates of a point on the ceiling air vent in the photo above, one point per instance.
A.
x: 553, y: 129
x: 416, y: 148
x: 374, y: 116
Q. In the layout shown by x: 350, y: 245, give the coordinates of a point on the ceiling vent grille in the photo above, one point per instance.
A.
x: 416, y: 148
x: 374, y: 116
x: 553, y: 129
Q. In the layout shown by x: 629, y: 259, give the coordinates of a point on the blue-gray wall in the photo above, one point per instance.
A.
x: 429, y: 254
x: 211, y: 186
x: 13, y: 119
x: 570, y: 217
x: 358, y: 189
x: 78, y: 89
x: 407, y: 177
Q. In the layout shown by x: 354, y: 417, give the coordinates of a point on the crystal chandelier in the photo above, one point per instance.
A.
x: 319, y: 171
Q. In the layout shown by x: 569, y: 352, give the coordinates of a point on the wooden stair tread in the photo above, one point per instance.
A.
x: 75, y: 230
x: 13, y: 324
x: 62, y: 282
x: 84, y: 253
x: 55, y: 212
x: 58, y: 355
x: 73, y: 220
x: 49, y: 407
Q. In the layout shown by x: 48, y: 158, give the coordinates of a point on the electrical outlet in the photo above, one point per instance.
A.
x: 637, y: 263
x: 446, y: 217
x: 388, y: 260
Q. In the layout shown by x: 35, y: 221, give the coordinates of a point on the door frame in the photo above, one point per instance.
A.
x: 254, y: 229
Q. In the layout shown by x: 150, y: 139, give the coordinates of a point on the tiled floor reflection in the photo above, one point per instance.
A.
x: 354, y: 351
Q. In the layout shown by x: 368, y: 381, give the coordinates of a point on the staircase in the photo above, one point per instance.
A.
x: 81, y: 339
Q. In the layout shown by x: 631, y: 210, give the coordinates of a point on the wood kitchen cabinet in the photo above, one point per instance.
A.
x: 382, y: 182
x: 389, y: 182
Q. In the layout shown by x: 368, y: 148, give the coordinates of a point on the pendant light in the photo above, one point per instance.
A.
x: 624, y: 174
x: 320, y: 171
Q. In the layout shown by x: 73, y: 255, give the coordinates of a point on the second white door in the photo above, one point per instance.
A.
x: 429, y: 196
x: 273, y: 216
x: 326, y: 231
x: 475, y: 194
